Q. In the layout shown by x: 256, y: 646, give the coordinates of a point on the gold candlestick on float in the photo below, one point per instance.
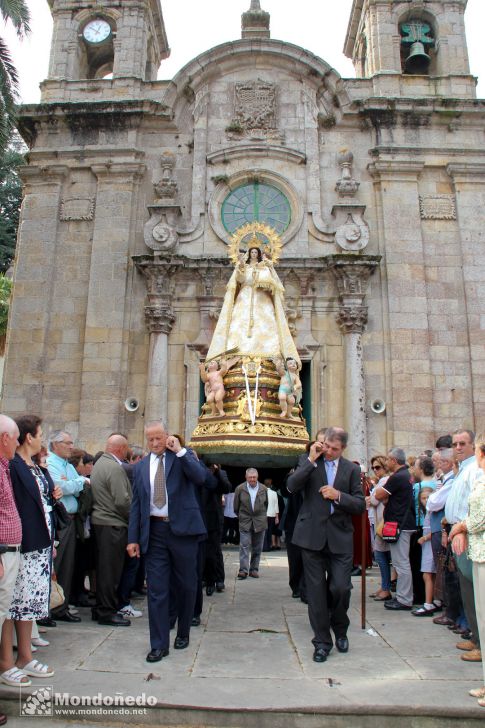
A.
x: 261, y: 415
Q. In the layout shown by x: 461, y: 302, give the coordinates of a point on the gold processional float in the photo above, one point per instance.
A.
x: 252, y: 414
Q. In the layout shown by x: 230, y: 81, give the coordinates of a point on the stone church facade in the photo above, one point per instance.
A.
x: 134, y: 185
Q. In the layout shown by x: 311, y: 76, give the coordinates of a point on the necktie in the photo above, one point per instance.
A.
x: 159, y: 491
x: 330, y: 471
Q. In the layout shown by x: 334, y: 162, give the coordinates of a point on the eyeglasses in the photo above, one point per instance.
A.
x: 455, y: 444
x: 66, y: 442
x: 377, y: 467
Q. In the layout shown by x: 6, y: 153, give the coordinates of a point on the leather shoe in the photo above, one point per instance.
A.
x: 445, y: 621
x: 254, y: 574
x: 342, y: 644
x: 472, y: 655
x: 209, y: 590
x: 395, y: 605
x: 242, y: 575
x: 320, y: 654
x: 117, y: 620
x: 181, y: 643
x: 195, y: 622
x: 47, y: 622
x: 466, y: 646
x: 156, y: 655
x: 220, y: 586
x: 68, y: 617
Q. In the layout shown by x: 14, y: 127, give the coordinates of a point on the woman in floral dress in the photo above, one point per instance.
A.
x: 34, y: 492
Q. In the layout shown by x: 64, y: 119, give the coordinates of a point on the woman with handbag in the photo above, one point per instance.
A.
x: 399, y: 525
x: 34, y: 492
x: 382, y: 551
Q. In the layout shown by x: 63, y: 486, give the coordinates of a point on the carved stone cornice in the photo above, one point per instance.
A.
x: 352, y: 275
x: 130, y: 171
x: 397, y: 169
x: 352, y: 319
x: 43, y: 174
x: 159, y: 274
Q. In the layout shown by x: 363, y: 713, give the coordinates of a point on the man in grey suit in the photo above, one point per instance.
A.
x: 111, y: 490
x: 332, y: 494
x: 250, y: 505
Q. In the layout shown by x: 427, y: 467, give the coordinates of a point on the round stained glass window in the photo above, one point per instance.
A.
x: 256, y: 201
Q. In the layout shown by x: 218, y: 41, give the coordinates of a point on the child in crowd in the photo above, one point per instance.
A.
x: 428, y: 567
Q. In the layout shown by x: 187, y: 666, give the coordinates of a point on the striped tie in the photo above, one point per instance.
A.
x: 159, y: 490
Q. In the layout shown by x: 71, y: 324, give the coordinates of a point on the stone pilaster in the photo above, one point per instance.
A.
x: 105, y: 358
x: 469, y: 187
x: 397, y: 185
x: 352, y: 276
x: 37, y: 302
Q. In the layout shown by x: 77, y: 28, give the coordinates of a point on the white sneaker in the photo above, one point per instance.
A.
x: 39, y: 642
x: 130, y: 611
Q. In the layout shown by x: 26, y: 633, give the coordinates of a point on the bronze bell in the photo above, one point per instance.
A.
x: 417, y: 63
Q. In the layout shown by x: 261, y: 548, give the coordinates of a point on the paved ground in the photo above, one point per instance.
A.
x: 253, y: 653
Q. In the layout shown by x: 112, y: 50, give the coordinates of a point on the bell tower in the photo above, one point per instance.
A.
x: 413, y: 38
x: 125, y: 38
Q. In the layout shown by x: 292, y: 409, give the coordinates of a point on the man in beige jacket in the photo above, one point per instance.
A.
x: 112, y: 494
x: 250, y: 505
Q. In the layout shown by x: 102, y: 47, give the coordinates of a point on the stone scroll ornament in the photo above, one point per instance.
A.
x: 353, y: 234
x: 160, y: 232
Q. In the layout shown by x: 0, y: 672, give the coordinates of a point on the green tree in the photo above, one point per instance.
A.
x: 5, y: 290
x: 10, y: 199
x: 17, y: 12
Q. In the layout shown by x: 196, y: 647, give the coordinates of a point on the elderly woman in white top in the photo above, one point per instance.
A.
x: 471, y: 531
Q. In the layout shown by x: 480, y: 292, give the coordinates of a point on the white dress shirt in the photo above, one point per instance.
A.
x: 154, y: 459
x: 253, y: 492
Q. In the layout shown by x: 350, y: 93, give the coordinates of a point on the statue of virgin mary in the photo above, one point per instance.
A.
x: 252, y: 321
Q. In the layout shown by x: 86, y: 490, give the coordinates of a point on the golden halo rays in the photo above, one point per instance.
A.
x: 256, y: 235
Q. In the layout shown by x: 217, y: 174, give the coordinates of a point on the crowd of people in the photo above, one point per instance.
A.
x: 437, y: 501
x: 81, y: 530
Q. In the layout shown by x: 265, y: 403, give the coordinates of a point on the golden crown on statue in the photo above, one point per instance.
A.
x: 255, y: 235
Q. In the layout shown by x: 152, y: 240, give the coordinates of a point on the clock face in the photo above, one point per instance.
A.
x: 96, y: 31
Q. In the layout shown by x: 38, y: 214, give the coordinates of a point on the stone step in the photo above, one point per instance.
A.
x: 180, y: 717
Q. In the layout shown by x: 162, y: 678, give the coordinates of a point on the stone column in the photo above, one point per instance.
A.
x: 352, y: 322
x: 160, y: 319
x: 352, y: 275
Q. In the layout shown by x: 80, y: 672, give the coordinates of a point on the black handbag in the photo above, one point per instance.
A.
x: 62, y: 519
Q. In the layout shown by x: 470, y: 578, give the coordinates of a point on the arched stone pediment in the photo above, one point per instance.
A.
x: 250, y: 55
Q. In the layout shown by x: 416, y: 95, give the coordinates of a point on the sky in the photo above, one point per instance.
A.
x: 194, y: 26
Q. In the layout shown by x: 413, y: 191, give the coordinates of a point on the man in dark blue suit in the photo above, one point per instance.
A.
x: 166, y: 525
